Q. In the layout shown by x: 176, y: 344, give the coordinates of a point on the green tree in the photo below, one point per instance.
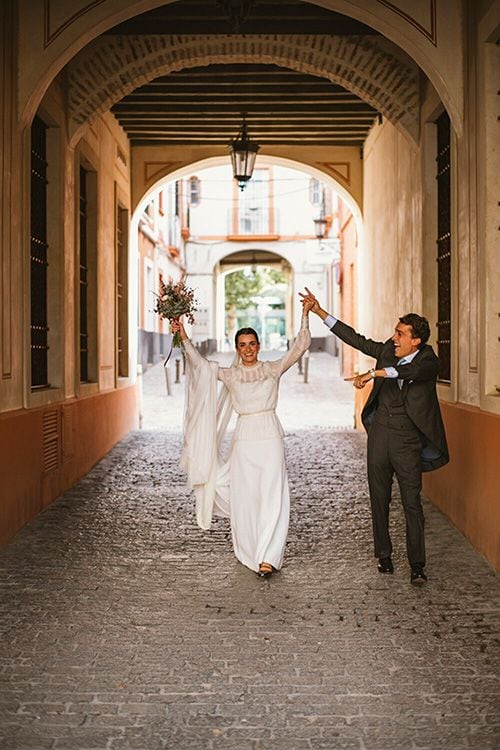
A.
x: 240, y: 287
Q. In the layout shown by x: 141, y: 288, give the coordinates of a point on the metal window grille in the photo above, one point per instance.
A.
x: 177, y: 199
x: 315, y: 191
x: 121, y: 290
x: 444, y: 259
x: 84, y: 279
x: 194, y: 191
x: 39, y: 255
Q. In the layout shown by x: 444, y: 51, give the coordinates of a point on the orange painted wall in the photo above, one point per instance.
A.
x: 467, y: 490
x: 87, y: 428
x: 348, y: 313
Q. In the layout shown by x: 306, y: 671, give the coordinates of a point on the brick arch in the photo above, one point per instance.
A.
x: 109, y: 68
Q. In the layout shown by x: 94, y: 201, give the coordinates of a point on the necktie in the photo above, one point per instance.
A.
x: 400, y: 380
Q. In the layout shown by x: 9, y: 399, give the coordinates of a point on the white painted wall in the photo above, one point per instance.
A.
x: 289, y: 194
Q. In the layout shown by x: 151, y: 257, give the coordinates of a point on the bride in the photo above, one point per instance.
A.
x: 251, y: 487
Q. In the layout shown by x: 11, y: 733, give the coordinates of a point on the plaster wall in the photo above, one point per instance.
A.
x: 150, y: 165
x: 291, y: 210
x: 349, y: 291
x: 390, y: 265
x: 488, y: 190
x: 11, y: 268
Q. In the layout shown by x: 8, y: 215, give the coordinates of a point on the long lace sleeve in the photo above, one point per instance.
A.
x: 196, y: 359
x: 192, y: 353
x: 300, y: 345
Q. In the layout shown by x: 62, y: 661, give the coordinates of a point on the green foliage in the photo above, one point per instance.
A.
x: 241, y: 286
x: 274, y: 276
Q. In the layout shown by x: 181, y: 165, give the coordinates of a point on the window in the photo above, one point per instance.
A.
x: 122, y: 291
x: 149, y: 298
x: 253, y: 205
x: 444, y: 259
x: 315, y: 191
x: 84, y: 348
x: 194, y: 191
x: 88, y: 275
x: 38, y: 255
x: 177, y: 204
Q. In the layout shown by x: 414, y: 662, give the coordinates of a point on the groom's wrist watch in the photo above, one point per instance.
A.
x: 372, y: 373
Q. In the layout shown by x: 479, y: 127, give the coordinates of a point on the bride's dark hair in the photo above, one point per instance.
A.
x: 245, y: 332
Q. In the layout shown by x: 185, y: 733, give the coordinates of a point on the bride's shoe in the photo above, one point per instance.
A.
x: 265, y: 570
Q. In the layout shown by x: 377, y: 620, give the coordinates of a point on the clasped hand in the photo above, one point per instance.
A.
x: 359, y: 381
x: 309, y: 302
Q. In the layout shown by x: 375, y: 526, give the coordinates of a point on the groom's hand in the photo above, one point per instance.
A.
x: 309, y: 302
x: 359, y: 381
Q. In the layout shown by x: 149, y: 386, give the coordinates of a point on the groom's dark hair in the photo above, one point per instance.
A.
x: 245, y: 332
x: 419, y: 326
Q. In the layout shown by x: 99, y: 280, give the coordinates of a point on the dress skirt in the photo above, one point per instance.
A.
x: 259, y: 497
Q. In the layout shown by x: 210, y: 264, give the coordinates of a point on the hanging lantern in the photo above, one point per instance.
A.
x: 320, y: 227
x: 243, y: 155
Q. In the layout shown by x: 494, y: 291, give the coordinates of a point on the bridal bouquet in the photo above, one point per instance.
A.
x: 175, y: 299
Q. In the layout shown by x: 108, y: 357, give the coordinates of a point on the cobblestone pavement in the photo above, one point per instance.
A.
x: 125, y: 627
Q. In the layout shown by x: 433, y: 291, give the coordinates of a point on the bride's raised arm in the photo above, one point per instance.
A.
x: 191, y: 351
x: 194, y: 357
x: 301, y: 343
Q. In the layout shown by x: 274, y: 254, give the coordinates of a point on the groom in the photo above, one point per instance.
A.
x: 405, y: 430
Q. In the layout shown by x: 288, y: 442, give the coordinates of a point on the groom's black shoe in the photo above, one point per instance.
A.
x: 385, y: 565
x: 417, y: 576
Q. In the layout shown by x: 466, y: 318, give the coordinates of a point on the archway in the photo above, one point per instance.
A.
x: 312, y: 261
x: 388, y: 80
x: 271, y: 316
x: 61, y: 39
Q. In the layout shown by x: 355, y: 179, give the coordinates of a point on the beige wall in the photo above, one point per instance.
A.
x: 152, y: 164
x: 11, y: 302
x: 390, y: 263
x: 52, y: 437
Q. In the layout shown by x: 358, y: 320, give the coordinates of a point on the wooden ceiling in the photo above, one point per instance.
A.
x: 198, y: 106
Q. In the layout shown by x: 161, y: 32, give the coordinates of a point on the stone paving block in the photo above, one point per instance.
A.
x: 125, y: 627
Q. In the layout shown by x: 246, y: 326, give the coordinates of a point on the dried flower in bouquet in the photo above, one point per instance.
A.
x: 175, y: 299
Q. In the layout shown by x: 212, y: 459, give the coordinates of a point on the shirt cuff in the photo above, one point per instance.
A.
x: 391, y: 372
x: 330, y: 321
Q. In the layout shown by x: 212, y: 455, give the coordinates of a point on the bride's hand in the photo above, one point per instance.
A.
x: 307, y: 305
x: 177, y: 327
x: 310, y: 300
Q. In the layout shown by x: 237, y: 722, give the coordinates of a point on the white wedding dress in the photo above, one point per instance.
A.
x: 251, y: 488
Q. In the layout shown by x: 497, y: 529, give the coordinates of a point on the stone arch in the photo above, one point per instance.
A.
x: 175, y: 170
x: 112, y: 67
